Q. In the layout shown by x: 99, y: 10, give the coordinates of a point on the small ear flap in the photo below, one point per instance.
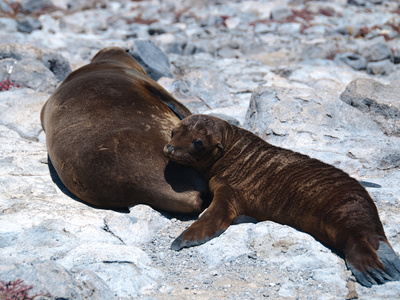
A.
x: 219, y: 146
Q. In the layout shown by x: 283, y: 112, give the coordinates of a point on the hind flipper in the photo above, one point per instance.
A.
x: 373, y: 267
x: 390, y: 259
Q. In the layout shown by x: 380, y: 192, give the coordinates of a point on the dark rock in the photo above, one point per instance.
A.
x: 152, y: 58
x: 396, y: 56
x: 156, y: 29
x: 379, y: 101
x: 356, y: 2
x: 194, y: 47
x: 78, y: 5
x: 212, y: 21
x: 28, y: 24
x: 57, y: 64
x: 356, y: 61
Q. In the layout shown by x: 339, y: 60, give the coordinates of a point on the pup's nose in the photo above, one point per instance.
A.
x: 169, y: 150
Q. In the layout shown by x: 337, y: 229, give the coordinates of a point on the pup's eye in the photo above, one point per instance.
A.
x: 172, y: 134
x: 197, y: 144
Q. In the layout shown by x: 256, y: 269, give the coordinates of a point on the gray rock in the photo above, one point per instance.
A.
x: 380, y: 102
x: 227, y: 118
x: 289, y: 29
x: 6, y: 8
x: 281, y: 13
x: 232, y: 23
x: 383, y: 67
x: 195, y: 47
x: 322, y: 75
x: 202, y: 85
x: 152, y: 58
x: 376, y: 49
x: 228, y: 52
x: 31, y: 6
x: 320, y: 125
x: 216, y: 252
x: 29, y: 60
x: 318, y: 30
x: 50, y: 277
x: 22, y: 110
x: 20, y: 72
x: 28, y: 24
x: 356, y: 61
x: 181, y: 91
x: 321, y: 50
x: 261, y: 28
x: 138, y: 227
x: 8, y: 25
x: 33, y: 74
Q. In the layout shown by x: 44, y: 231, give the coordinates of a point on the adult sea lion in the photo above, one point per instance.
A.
x: 106, y: 126
x: 248, y: 176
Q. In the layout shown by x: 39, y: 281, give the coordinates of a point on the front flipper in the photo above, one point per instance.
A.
x: 373, y: 267
x: 214, y: 221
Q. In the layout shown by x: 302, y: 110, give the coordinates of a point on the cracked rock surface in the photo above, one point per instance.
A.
x: 316, y: 77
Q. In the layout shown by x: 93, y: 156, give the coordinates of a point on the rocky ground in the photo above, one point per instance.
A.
x: 318, y: 77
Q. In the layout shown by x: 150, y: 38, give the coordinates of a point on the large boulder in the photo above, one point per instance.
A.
x: 317, y: 123
x: 41, y: 70
x: 378, y: 101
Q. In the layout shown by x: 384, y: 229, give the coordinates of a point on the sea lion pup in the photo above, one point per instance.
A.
x: 106, y: 126
x: 248, y: 176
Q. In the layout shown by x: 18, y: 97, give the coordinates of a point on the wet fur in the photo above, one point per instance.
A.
x: 248, y: 176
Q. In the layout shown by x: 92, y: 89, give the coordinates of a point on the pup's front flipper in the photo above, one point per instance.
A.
x: 214, y: 221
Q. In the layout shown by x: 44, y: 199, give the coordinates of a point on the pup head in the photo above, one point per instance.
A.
x: 196, y: 142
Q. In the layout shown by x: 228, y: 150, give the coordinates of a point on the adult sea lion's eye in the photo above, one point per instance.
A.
x: 172, y: 134
x: 197, y: 144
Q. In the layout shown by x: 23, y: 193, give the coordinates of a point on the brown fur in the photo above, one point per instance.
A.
x: 106, y: 126
x: 248, y: 176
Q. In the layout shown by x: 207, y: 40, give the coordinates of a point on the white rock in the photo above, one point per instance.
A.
x: 227, y: 247
x: 21, y: 111
x: 232, y: 23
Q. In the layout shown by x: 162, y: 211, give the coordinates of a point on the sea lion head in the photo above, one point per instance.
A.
x: 196, y: 141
